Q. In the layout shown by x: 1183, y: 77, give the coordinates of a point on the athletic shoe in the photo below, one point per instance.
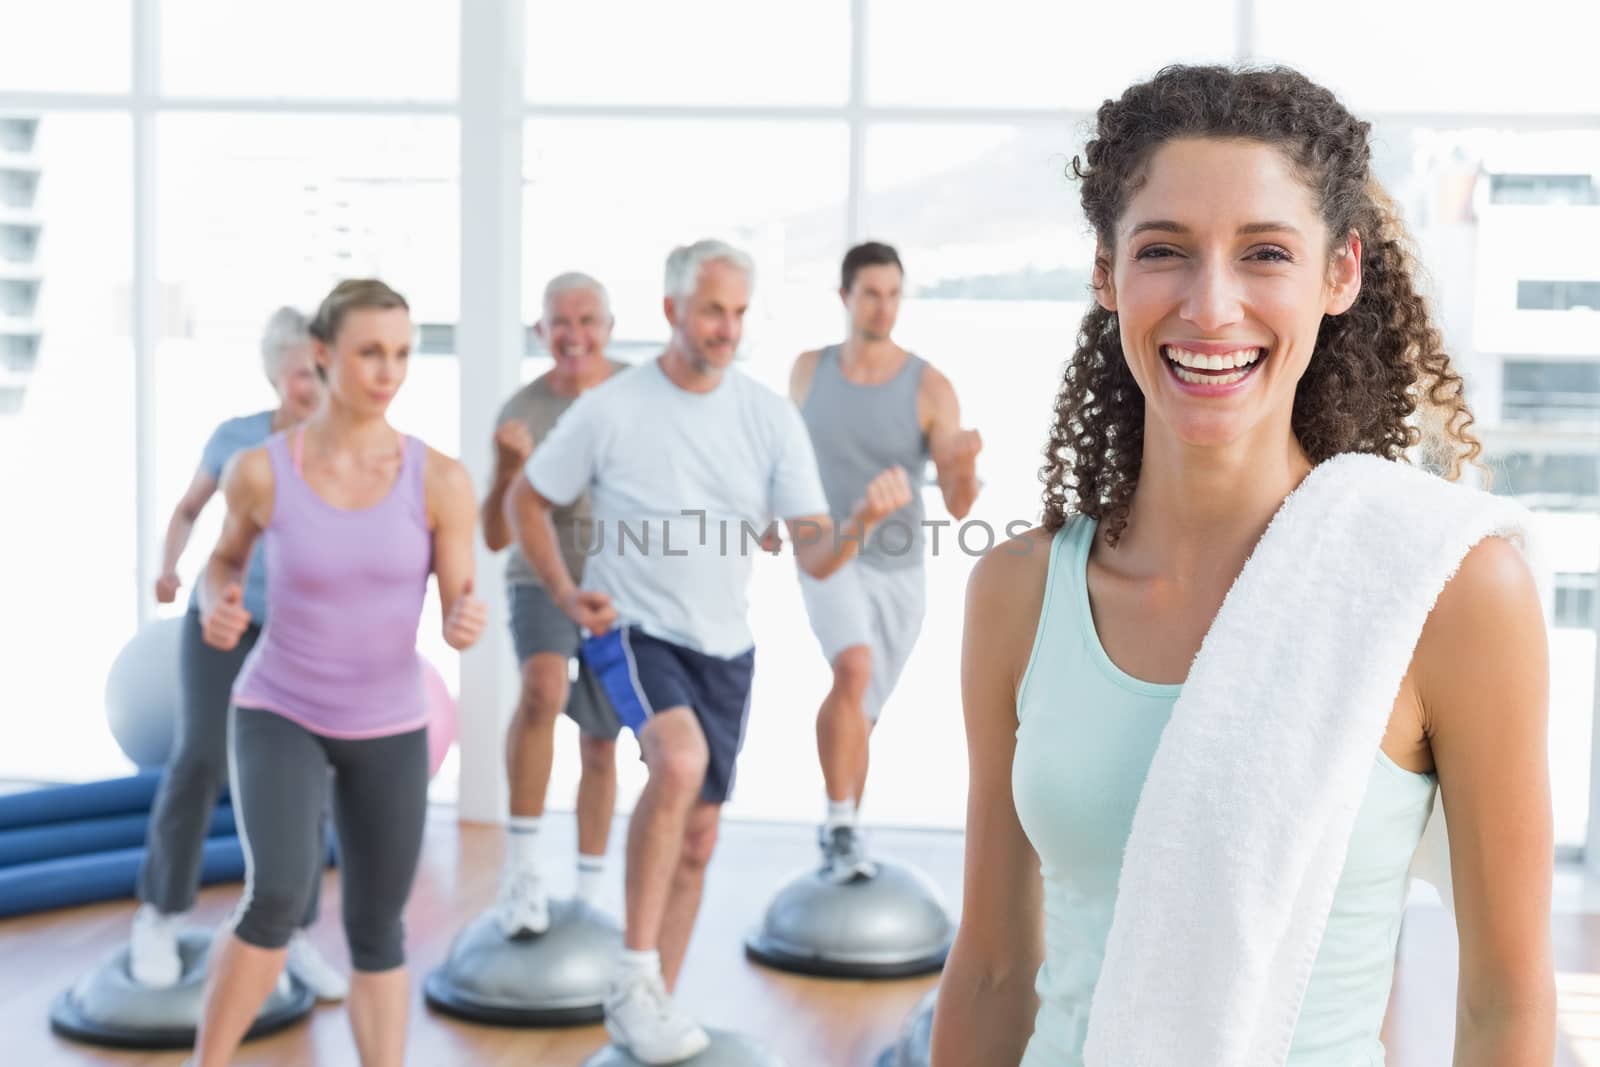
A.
x: 844, y: 855
x: 641, y: 1018
x: 153, y: 957
x: 308, y: 965
x: 522, y: 908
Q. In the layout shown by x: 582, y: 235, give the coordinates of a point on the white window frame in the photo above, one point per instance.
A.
x: 490, y: 110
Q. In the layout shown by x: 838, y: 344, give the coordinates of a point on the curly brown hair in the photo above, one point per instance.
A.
x: 1373, y: 367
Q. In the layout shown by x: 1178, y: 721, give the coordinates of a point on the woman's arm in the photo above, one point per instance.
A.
x: 986, y: 1007
x: 1482, y: 672
x: 452, y: 511
x: 247, y: 486
x: 179, y: 527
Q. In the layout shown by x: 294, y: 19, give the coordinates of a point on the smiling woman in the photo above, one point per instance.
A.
x: 1305, y: 231
x: 1179, y: 847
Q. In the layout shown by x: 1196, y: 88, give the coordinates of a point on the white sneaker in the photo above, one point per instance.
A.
x: 308, y: 965
x: 153, y: 957
x: 844, y: 855
x: 522, y: 908
x: 641, y: 1018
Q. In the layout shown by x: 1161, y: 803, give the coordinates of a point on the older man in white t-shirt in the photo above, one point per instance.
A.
x: 685, y: 461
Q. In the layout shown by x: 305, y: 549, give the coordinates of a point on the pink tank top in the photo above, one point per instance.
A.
x: 345, y: 589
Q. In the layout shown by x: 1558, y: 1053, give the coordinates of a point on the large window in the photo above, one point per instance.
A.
x: 1027, y: 54
x: 1558, y: 295
x: 66, y: 46
x: 717, y: 52
x: 66, y: 438
x: 278, y: 146
x: 1421, y: 58
x: 260, y: 211
x: 362, y: 49
x: 1563, y: 392
x: 776, y: 189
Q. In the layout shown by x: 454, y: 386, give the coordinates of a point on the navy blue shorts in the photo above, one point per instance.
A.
x: 643, y: 675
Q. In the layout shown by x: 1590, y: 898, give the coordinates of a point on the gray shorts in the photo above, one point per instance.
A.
x: 538, y: 625
x: 863, y: 605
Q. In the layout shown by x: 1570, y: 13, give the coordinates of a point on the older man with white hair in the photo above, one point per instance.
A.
x: 575, y: 327
x: 689, y: 448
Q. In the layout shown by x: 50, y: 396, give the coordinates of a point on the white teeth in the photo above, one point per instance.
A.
x: 1209, y: 379
x: 1241, y: 358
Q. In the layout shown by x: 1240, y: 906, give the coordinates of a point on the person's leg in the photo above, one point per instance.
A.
x: 598, y: 728
x: 640, y: 1013
x: 276, y: 770
x: 721, y: 694
x: 843, y: 732
x: 306, y: 961
x: 650, y: 687
x: 185, y: 802
x: 675, y: 753
x: 530, y: 739
x: 897, y: 601
x: 380, y: 806
x: 840, y: 614
x: 688, y: 885
x: 522, y: 905
x: 545, y: 641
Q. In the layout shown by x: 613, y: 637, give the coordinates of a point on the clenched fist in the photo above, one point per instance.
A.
x: 167, y: 588
x: 887, y: 493
x: 962, y: 446
x: 513, y: 444
x: 227, y: 620
x: 464, y: 625
x: 590, y: 610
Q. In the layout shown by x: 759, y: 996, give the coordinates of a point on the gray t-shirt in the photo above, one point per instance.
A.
x: 685, y: 474
x: 539, y: 408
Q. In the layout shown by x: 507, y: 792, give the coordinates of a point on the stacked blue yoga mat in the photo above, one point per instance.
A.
x: 75, y: 844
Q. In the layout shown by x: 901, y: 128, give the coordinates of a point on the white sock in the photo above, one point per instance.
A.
x: 645, y: 963
x: 170, y: 919
x: 522, y: 839
x: 591, y: 873
x: 841, y: 813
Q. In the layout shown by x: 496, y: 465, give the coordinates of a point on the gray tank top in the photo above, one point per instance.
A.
x: 860, y: 430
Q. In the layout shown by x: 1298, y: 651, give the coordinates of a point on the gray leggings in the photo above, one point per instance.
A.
x: 194, y: 774
x: 380, y: 798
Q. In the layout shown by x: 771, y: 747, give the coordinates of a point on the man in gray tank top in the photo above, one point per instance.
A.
x: 869, y: 405
x: 575, y: 327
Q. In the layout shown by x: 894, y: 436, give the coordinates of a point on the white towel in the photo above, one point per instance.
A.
x: 1244, y: 822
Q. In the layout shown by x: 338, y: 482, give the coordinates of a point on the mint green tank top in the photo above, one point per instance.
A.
x: 1086, y: 735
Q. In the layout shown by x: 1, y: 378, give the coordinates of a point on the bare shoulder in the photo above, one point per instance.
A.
x: 936, y: 397
x: 1486, y: 631
x: 934, y: 384
x: 445, y: 478
x: 802, y: 374
x: 247, y: 477
x: 1492, y: 591
x: 1005, y: 594
x: 1013, y: 572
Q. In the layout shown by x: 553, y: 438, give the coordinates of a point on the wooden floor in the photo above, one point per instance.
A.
x: 811, y: 1022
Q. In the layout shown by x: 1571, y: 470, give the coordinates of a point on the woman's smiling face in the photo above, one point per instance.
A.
x: 1220, y: 278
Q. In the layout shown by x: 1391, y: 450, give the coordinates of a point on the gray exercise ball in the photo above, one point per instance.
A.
x: 143, y: 691
x: 108, y: 1007
x: 557, y: 978
x: 891, y: 925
